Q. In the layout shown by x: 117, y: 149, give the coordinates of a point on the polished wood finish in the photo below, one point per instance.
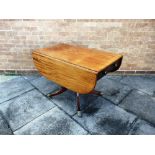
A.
x: 95, y: 92
x: 65, y: 74
x: 58, y: 92
x: 74, y: 67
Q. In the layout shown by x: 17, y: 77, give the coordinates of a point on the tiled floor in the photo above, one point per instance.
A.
x: 126, y: 107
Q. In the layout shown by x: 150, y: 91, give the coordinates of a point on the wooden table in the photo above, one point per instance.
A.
x: 74, y: 67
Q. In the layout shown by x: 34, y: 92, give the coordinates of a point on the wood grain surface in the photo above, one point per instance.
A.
x: 74, y: 67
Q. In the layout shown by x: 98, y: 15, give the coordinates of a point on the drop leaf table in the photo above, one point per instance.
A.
x: 75, y: 68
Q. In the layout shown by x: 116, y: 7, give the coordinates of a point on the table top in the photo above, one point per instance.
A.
x: 91, y: 59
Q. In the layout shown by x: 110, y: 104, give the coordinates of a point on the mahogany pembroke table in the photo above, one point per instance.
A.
x: 75, y: 68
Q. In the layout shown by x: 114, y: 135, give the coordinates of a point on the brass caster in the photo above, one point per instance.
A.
x: 79, y: 113
x: 48, y: 95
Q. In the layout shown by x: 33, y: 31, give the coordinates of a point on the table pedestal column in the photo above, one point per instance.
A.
x: 63, y: 89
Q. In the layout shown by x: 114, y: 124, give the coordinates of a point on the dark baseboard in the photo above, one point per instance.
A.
x: 137, y: 72
x: 18, y: 72
x: 119, y: 72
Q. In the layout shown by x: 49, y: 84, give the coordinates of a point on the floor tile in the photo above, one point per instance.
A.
x: 112, y: 90
x: 4, y: 78
x: 142, y: 128
x: 44, y: 85
x: 143, y: 83
x: 102, y: 117
x: 140, y: 104
x: 67, y: 101
x: 25, y: 108
x: 54, y: 122
x: 115, y: 77
x: 4, y: 126
x: 32, y: 77
x: 13, y: 88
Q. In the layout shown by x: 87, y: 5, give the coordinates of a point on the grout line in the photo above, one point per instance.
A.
x: 59, y: 108
x: 135, y: 88
x: 129, y: 111
x: 3, y: 117
x: 9, y: 100
x: 149, y: 95
x: 21, y: 93
x: 17, y: 96
x: 34, y: 119
x: 132, y: 125
x: 92, y: 103
x: 73, y: 119
x: 125, y: 97
x: 71, y: 116
x: 150, y: 123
